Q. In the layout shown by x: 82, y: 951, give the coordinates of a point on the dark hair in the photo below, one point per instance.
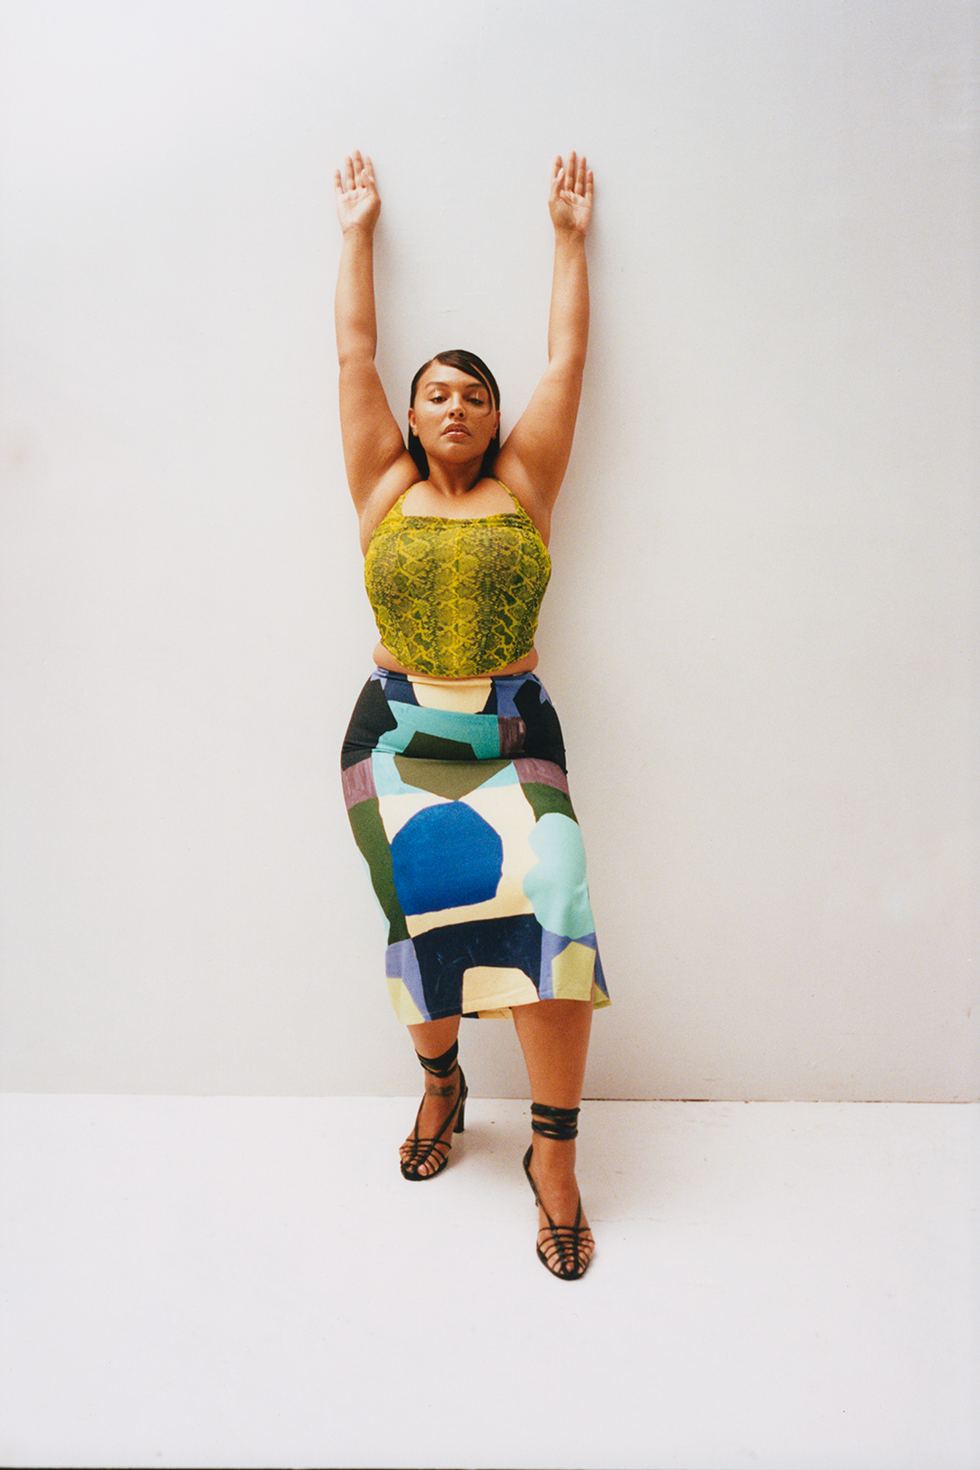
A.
x: 474, y: 367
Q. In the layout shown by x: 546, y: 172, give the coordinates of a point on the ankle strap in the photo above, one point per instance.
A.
x: 561, y: 1123
x: 440, y: 1066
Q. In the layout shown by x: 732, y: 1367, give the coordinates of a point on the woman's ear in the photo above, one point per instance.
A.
x: 412, y: 421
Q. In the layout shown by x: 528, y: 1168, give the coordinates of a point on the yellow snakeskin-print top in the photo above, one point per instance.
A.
x: 457, y: 598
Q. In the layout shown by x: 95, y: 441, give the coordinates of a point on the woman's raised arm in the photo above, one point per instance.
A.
x: 534, y: 458
x: 373, y: 442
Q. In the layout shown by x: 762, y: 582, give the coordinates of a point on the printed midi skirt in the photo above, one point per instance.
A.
x: 458, y: 801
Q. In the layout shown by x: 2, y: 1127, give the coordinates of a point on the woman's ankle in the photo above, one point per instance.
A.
x: 442, y: 1086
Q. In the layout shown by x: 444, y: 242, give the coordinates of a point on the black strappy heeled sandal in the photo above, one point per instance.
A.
x: 422, y: 1150
x: 567, y: 1258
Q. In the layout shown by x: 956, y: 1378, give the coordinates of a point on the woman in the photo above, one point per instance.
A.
x: 454, y: 767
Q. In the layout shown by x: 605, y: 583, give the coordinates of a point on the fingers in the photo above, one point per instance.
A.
x: 357, y: 172
x: 576, y: 178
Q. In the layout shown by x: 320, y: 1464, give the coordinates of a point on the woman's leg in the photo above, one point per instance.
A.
x: 432, y: 1039
x: 554, y: 1037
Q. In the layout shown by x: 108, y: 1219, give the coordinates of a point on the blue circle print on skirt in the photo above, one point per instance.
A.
x: 445, y: 856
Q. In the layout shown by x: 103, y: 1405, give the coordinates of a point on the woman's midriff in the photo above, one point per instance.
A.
x: 386, y: 660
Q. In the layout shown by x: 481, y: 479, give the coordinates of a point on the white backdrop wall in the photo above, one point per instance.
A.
x: 760, y: 631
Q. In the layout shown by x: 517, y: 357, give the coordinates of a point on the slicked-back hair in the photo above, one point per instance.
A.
x: 474, y: 367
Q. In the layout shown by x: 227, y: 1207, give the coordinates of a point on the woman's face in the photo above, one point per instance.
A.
x: 453, y: 414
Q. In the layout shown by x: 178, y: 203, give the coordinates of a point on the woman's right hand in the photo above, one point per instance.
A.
x: 570, y: 200
x: 358, y: 200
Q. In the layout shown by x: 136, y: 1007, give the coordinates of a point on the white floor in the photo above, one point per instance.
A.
x: 250, y: 1283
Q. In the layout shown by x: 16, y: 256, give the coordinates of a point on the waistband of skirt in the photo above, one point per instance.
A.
x: 486, y: 681
x: 496, y: 717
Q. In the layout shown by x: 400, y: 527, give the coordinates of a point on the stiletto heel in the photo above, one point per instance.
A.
x: 421, y: 1151
x: 567, y: 1257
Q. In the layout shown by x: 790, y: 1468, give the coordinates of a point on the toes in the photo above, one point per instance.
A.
x: 423, y: 1158
x: 565, y: 1255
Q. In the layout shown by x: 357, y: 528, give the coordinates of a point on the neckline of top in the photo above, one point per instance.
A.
x: 462, y: 520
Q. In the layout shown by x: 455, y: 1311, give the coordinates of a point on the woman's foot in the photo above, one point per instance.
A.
x: 565, y: 1243
x: 426, y: 1150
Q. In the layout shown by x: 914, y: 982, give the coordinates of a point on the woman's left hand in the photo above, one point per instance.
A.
x: 570, y: 200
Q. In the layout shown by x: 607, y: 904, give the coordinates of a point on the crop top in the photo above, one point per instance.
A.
x: 457, y: 598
